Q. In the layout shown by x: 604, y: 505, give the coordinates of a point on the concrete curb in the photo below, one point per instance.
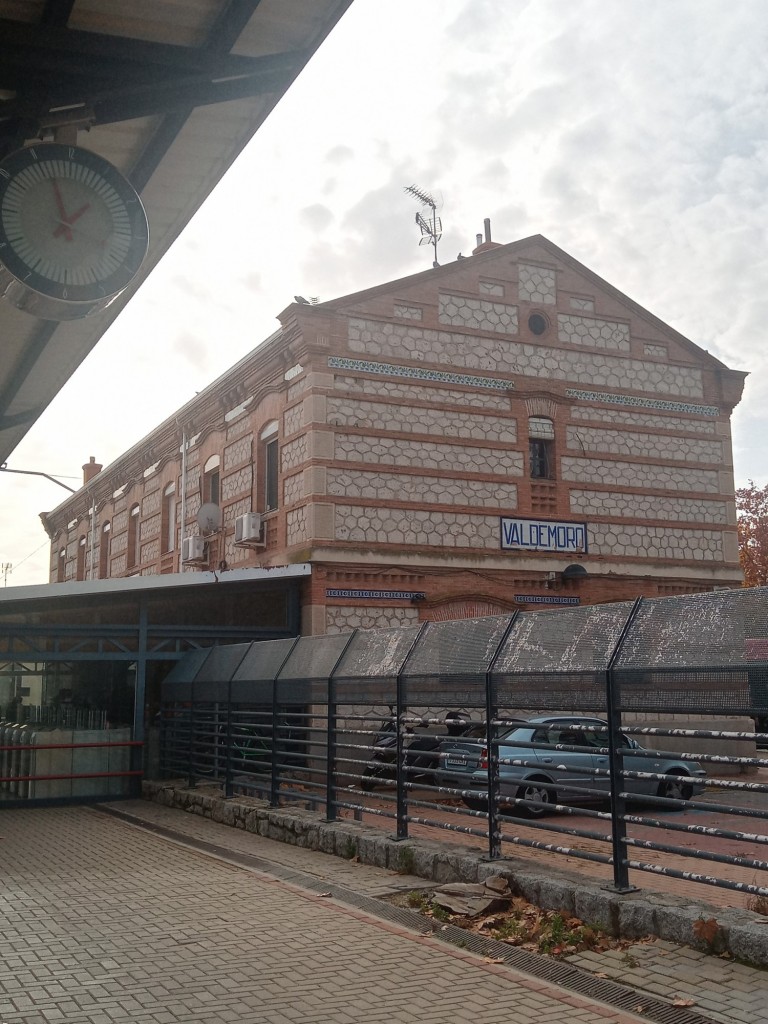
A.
x: 741, y: 933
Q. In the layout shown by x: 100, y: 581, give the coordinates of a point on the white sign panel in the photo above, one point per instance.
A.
x: 542, y: 535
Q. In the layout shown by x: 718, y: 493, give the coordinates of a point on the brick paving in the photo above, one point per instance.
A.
x: 719, y: 988
x: 102, y: 922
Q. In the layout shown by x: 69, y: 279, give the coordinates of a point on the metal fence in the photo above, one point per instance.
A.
x: 645, y: 755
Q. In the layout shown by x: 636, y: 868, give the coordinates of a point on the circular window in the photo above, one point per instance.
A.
x: 537, y: 323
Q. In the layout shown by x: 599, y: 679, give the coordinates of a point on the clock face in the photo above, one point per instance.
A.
x: 72, y: 228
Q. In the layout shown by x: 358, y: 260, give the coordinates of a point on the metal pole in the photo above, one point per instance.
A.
x: 183, y: 514
x: 228, y: 731
x: 491, y: 712
x: 191, y: 777
x: 330, y: 763
x: 402, y: 792
x: 274, y: 778
x: 616, y: 763
x: 138, y: 754
x: 91, y: 574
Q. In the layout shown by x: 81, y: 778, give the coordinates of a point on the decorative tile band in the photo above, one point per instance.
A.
x: 377, y: 595
x: 645, y: 403
x: 415, y: 372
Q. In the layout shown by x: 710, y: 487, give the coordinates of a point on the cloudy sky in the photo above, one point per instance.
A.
x: 632, y: 133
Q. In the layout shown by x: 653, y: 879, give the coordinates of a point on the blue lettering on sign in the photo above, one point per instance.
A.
x: 541, y: 535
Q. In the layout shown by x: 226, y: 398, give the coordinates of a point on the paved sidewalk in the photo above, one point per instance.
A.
x: 102, y: 922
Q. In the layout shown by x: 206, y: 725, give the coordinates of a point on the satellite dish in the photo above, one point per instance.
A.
x: 209, y: 517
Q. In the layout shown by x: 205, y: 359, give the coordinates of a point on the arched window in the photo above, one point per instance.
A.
x: 541, y: 448
x: 80, y: 571
x: 61, y: 565
x: 211, y: 480
x: 133, y: 550
x: 269, y: 470
x: 168, y: 520
x: 104, y: 546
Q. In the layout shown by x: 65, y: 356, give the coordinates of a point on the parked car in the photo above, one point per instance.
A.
x: 464, y: 765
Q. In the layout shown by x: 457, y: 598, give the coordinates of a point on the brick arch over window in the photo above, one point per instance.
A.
x: 133, y: 549
x: 211, y: 480
x: 61, y: 564
x: 467, y: 608
x: 268, y: 467
x: 104, y: 549
x: 80, y: 570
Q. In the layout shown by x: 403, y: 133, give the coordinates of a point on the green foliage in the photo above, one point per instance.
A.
x: 418, y: 900
x: 406, y: 860
x: 350, y: 849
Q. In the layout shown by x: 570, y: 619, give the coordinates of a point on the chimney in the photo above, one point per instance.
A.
x: 90, y: 470
x: 487, y: 244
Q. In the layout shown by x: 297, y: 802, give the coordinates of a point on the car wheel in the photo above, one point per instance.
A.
x: 675, y: 788
x: 537, y: 798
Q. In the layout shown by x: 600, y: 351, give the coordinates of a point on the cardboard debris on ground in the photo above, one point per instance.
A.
x: 470, y: 899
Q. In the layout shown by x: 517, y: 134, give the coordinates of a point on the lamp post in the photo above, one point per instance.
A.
x: 36, y: 472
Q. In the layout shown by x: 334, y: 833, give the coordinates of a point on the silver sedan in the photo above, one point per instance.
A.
x: 543, y: 775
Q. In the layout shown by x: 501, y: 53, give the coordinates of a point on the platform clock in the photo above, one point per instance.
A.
x: 73, y: 231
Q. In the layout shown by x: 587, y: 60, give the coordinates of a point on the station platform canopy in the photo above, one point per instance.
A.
x: 169, y: 93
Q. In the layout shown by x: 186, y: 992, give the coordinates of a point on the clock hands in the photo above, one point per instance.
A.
x: 65, y: 224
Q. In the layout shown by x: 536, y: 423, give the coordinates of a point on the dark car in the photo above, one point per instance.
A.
x: 549, y: 776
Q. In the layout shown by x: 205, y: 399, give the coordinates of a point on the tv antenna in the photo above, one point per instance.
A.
x: 432, y: 228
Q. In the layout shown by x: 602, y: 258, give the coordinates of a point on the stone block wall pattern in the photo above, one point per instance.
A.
x: 652, y: 446
x: 343, y: 619
x: 427, y: 454
x: 381, y: 339
x: 585, y: 330
x: 407, y: 312
x: 418, y: 489
x: 372, y: 525
x: 238, y: 452
x: 667, y: 542
x: 398, y: 390
x: 536, y: 284
x: 478, y: 314
x: 413, y: 419
x: 616, y: 416
x: 647, y: 506
x: 640, y: 475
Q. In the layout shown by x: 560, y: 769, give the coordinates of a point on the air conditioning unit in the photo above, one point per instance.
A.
x: 248, y: 529
x: 193, y: 549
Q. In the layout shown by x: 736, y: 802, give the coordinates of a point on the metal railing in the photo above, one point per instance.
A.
x: 50, y: 765
x: 419, y: 730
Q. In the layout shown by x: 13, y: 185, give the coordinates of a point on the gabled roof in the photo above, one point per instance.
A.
x: 522, y: 247
x: 170, y: 93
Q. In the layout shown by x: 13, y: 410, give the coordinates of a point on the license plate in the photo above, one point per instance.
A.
x: 456, y: 762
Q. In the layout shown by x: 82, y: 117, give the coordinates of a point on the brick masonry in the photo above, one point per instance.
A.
x: 403, y: 417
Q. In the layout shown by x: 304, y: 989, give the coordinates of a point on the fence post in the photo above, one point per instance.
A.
x: 402, y: 792
x: 616, y: 762
x: 191, y: 752
x: 274, y: 778
x: 491, y: 713
x: 331, y: 744
x: 228, y: 734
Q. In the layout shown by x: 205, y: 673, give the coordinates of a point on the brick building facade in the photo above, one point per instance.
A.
x: 505, y: 431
